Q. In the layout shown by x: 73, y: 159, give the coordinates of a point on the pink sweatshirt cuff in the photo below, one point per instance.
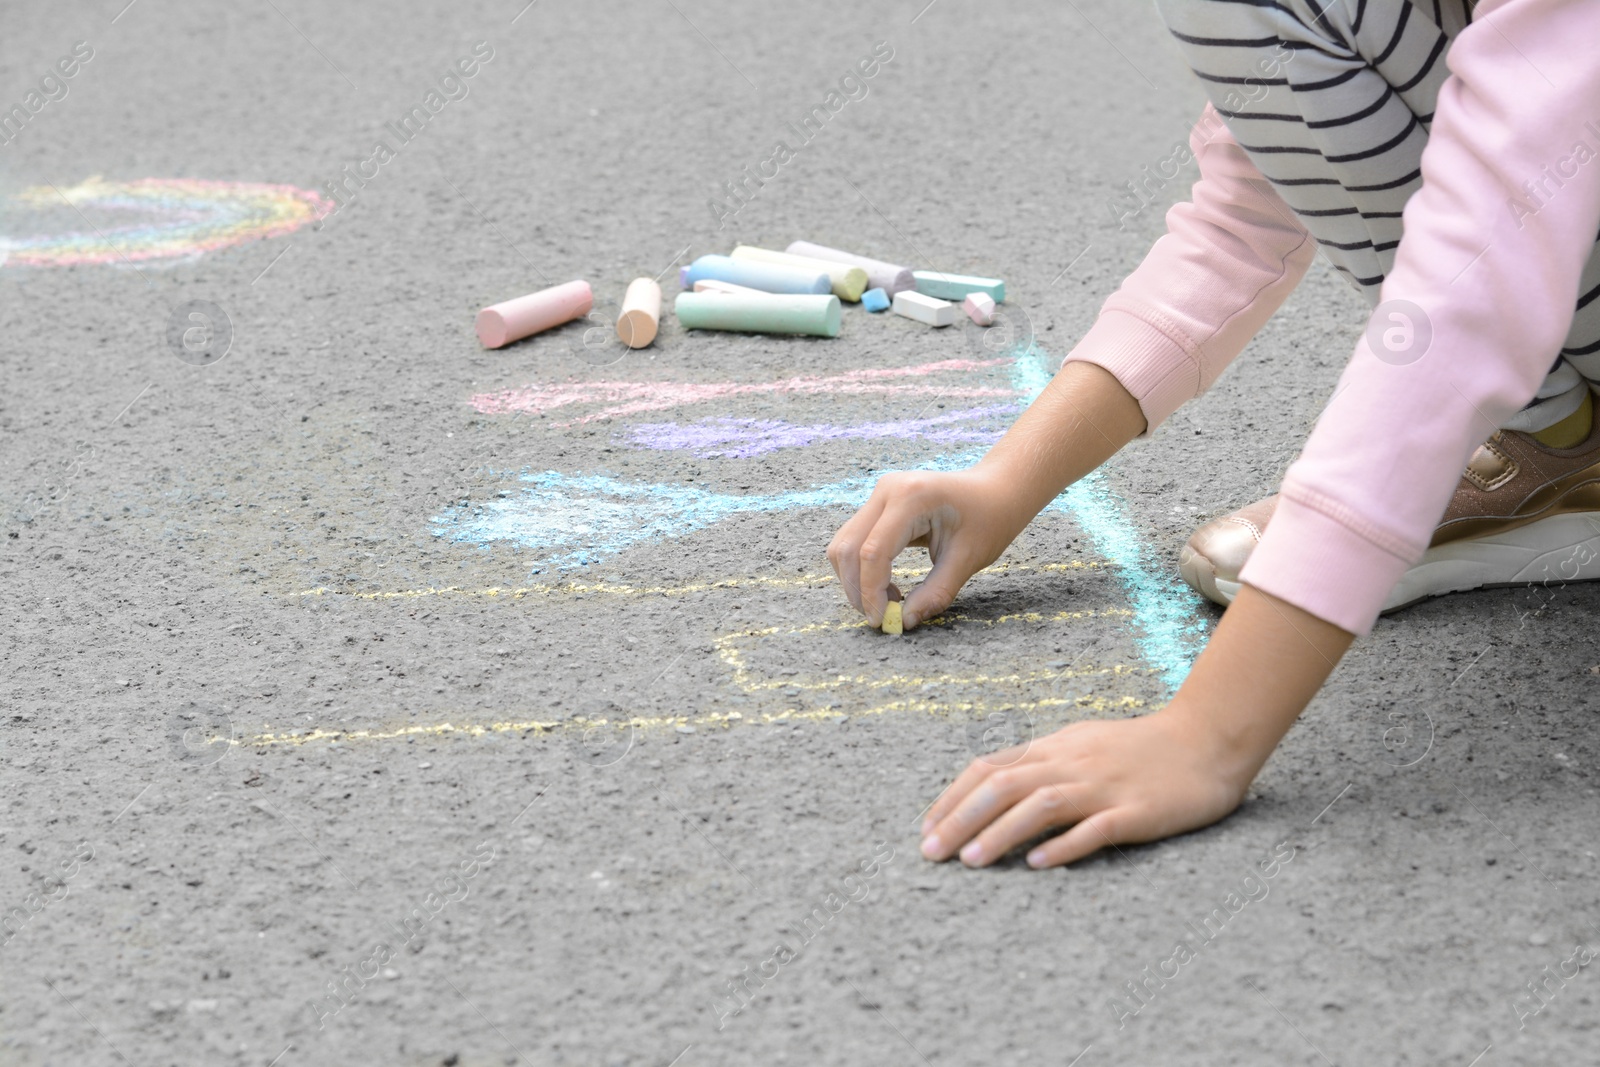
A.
x: 1320, y: 565
x: 1157, y: 370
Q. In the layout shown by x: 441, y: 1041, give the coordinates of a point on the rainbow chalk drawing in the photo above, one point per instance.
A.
x: 622, y: 399
x: 156, y: 220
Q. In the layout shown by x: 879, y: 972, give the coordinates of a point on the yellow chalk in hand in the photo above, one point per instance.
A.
x: 891, y: 618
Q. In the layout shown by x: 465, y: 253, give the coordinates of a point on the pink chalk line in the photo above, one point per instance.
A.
x: 633, y: 398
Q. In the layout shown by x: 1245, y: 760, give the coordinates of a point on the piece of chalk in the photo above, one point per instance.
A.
x: 957, y: 286
x: 683, y: 277
x: 892, y: 623
x: 880, y: 275
x: 760, y: 313
x: 766, y: 277
x: 641, y: 313
x: 979, y: 308
x: 711, y: 285
x: 848, y: 282
x: 928, y: 309
x: 512, y: 320
x: 875, y: 300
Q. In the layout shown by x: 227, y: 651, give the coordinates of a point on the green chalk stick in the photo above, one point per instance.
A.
x: 759, y: 313
x: 957, y: 286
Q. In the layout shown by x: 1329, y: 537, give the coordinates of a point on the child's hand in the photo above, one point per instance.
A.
x: 1113, y: 782
x: 964, y: 519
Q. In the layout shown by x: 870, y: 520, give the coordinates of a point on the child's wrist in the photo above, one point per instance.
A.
x: 1025, y: 489
x: 1234, y: 747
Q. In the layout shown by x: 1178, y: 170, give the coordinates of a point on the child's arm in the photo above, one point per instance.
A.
x: 1230, y: 257
x: 965, y: 519
x: 1228, y: 260
x: 1132, y: 780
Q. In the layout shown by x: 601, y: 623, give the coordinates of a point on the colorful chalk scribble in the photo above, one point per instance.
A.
x: 726, y: 438
x: 151, y: 220
x: 573, y: 520
x: 569, y: 521
x: 625, y: 398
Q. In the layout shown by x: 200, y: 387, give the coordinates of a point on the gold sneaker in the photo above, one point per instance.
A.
x: 1523, y: 513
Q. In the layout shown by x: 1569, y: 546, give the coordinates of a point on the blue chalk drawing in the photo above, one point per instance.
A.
x: 574, y: 520
x: 1170, y: 630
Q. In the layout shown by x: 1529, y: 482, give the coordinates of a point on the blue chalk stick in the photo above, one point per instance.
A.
x: 957, y: 286
x: 754, y: 274
x: 875, y: 300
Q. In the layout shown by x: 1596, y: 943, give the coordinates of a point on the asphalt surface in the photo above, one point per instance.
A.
x: 314, y: 664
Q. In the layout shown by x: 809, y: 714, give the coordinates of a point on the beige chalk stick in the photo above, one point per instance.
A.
x: 641, y: 313
x: 891, y: 618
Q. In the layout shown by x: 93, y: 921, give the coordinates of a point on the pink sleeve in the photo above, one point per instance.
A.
x: 1227, y: 261
x: 1497, y: 283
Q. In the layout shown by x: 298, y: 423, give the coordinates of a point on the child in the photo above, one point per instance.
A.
x: 1345, y: 113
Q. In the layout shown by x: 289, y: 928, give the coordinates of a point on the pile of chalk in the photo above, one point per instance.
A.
x: 756, y: 290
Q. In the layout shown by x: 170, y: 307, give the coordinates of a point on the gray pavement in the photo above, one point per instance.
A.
x: 308, y: 742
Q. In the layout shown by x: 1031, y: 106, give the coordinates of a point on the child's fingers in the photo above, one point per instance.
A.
x: 844, y: 549
x: 995, y: 794
x: 897, y: 524
x: 937, y: 590
x: 1092, y: 834
x: 967, y: 780
x: 1044, y: 809
x: 956, y: 791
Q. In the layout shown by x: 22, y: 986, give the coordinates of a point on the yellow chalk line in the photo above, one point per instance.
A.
x: 621, y: 589
x: 581, y: 726
x: 733, y: 657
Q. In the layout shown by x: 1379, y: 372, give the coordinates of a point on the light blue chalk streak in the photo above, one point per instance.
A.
x: 1170, y: 629
x: 573, y: 520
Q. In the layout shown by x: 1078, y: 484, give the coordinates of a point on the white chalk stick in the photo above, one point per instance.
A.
x: 712, y: 285
x: 928, y: 309
x: 880, y: 275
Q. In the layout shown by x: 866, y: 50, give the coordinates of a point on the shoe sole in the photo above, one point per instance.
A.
x: 1557, y: 550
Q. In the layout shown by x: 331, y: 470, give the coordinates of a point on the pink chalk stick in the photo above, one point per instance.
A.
x: 527, y: 315
x: 979, y: 308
